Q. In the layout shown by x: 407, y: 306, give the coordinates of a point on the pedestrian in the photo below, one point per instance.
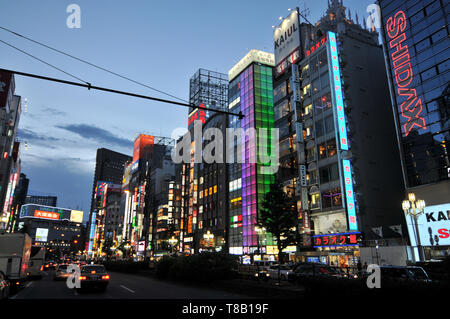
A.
x: 365, y: 266
x: 359, y: 267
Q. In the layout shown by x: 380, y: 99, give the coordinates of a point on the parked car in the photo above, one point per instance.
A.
x: 313, y: 270
x: 61, y: 272
x: 403, y: 273
x: 284, y: 271
x: 93, y: 276
x: 4, y: 286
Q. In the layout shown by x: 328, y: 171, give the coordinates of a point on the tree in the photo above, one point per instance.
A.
x: 279, y: 217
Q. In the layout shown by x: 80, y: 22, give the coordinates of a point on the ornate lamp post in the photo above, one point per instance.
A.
x: 414, y: 207
x: 173, y: 241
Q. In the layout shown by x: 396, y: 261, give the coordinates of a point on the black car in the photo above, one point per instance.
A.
x: 313, y: 270
x: 93, y: 276
x: 4, y: 286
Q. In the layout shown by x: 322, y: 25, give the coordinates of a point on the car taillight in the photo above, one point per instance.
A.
x: 105, y: 277
x: 83, y: 278
x: 42, y: 267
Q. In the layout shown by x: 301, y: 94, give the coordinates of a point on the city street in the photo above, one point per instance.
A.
x: 121, y: 286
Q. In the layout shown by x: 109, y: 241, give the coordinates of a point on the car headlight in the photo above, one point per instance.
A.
x: 267, y: 275
x: 256, y: 275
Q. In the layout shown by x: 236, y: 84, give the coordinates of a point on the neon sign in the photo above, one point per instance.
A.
x: 349, y: 195
x: 198, y: 115
x: 316, y: 46
x: 343, y: 141
x: 337, y: 240
x: 46, y: 215
x: 411, y: 107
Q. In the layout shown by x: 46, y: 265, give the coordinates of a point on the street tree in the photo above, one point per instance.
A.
x: 278, y: 216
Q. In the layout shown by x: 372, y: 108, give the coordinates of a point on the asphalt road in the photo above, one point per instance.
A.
x: 121, y: 286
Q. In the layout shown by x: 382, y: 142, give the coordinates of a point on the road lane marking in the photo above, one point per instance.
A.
x: 17, y: 294
x: 127, y: 288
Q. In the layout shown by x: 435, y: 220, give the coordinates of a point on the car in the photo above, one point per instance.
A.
x: 93, y: 276
x: 313, y: 270
x: 61, y: 272
x: 285, y: 270
x: 263, y: 275
x: 403, y: 273
x: 263, y: 264
x: 50, y: 264
x: 4, y: 286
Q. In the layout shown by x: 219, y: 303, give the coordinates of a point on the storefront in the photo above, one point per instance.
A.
x: 341, y: 250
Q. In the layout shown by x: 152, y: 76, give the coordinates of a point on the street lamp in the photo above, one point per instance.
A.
x: 414, y: 207
x: 208, y: 237
x: 173, y: 241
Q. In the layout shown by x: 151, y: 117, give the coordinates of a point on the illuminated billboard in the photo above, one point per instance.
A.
x: 349, y: 195
x: 337, y: 91
x: 410, y: 104
x: 140, y: 143
x: 41, y: 234
x: 76, y: 216
x: 337, y: 240
x: 50, y: 213
x: 433, y: 226
x: 46, y: 215
x: 286, y: 38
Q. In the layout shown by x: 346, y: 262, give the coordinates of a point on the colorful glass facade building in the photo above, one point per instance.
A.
x: 250, y: 92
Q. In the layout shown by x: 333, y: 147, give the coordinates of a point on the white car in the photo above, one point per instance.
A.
x: 284, y: 272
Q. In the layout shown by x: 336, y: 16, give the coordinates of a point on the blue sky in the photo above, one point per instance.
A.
x: 159, y: 43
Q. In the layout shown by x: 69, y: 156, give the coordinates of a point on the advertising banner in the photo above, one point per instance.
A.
x: 141, y: 142
x: 433, y: 226
x: 286, y: 37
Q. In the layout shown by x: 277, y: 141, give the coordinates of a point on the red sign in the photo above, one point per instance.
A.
x: 316, y: 46
x: 141, y: 142
x: 200, y: 114
x: 46, y: 215
x: 336, y: 240
x: 411, y: 106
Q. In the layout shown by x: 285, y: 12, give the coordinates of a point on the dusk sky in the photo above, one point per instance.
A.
x: 159, y: 43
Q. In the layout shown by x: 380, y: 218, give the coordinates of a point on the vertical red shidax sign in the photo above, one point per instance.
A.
x: 411, y: 105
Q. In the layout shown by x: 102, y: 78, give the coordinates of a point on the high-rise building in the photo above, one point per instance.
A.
x: 10, y: 111
x: 250, y: 92
x: 41, y: 200
x: 20, y: 195
x: 332, y: 109
x: 416, y: 46
x: 146, y: 195
x: 109, y: 169
x: 204, y: 184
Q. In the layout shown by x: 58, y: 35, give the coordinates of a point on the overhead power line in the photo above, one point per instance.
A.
x: 90, y: 63
x: 46, y: 63
x: 93, y: 87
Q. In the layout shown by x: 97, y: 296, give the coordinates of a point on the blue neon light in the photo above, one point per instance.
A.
x: 92, y: 232
x: 349, y: 245
x: 349, y: 195
x: 339, y: 105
